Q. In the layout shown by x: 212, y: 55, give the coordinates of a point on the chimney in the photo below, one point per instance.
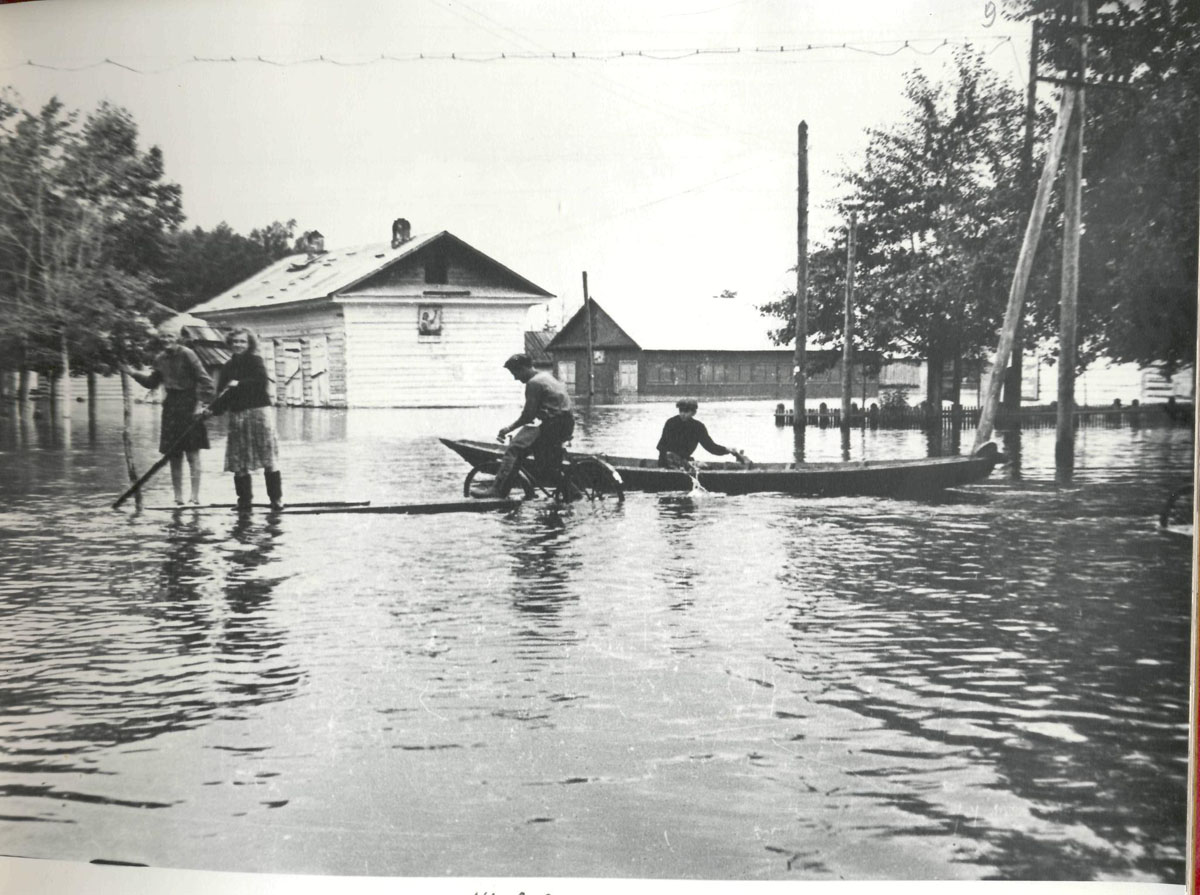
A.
x: 314, y: 243
x: 401, y: 232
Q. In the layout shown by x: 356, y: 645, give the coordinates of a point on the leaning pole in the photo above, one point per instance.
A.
x: 1020, y: 280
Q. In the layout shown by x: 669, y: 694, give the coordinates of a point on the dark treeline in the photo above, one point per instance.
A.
x: 92, y: 253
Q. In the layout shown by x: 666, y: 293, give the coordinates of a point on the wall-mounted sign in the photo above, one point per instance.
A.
x: 598, y: 356
x: 429, y: 320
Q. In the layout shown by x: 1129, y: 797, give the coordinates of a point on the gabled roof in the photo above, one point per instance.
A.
x: 301, y: 278
x: 535, y: 346
x: 606, y: 333
x: 211, y: 354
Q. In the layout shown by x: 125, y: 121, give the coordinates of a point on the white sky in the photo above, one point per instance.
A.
x: 665, y: 180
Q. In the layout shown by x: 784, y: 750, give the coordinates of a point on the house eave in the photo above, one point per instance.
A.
x: 437, y: 298
x: 261, y: 309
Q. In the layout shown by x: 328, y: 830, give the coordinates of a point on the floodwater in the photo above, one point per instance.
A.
x: 990, y: 685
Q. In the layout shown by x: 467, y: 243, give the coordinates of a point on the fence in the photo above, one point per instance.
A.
x: 958, y: 417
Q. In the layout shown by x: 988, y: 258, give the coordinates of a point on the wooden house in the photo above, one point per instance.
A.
x: 716, y: 350
x: 423, y: 321
x: 535, y: 346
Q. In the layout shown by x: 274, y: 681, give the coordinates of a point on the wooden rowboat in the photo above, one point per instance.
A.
x: 875, y: 478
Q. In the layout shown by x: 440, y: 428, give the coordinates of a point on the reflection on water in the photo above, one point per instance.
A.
x: 989, y: 684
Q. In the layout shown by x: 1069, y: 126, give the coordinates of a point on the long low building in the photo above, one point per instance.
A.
x: 424, y: 321
x: 718, y: 350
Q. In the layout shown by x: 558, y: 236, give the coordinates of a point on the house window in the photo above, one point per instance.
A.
x: 598, y: 356
x: 292, y: 387
x: 436, y: 270
x: 565, y: 371
x: 660, y: 374
x: 627, y: 372
x: 429, y: 320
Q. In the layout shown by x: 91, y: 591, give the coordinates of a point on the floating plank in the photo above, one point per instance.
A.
x: 228, y: 507
x: 421, y: 509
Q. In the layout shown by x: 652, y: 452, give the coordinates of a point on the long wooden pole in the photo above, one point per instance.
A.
x: 848, y: 323
x: 587, y: 315
x: 801, y: 310
x: 1064, y: 444
x: 1020, y: 280
x: 127, y: 437
x: 174, y: 448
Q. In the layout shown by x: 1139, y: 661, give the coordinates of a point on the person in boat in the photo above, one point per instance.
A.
x: 683, y: 433
x: 187, y: 389
x: 546, y: 401
x: 243, y: 390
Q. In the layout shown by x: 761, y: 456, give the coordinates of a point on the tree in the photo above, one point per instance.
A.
x: 939, y: 201
x: 1137, y: 292
x: 84, y: 216
x: 31, y: 206
x: 206, y: 263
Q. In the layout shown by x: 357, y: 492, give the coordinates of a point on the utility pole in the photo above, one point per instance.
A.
x: 1012, y: 385
x: 587, y: 316
x: 1020, y: 280
x: 1064, y: 445
x: 848, y: 325
x: 801, y: 312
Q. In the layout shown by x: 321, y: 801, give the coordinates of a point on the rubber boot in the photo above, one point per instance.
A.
x: 244, y: 486
x: 274, y: 488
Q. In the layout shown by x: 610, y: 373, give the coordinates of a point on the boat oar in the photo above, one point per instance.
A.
x: 171, y: 451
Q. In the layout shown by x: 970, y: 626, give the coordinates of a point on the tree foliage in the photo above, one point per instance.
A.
x: 205, y: 263
x: 1141, y: 169
x: 1138, y: 264
x: 938, y: 248
x: 84, y: 220
x: 91, y: 254
x: 939, y: 199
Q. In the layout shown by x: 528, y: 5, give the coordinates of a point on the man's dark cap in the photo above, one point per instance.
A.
x: 687, y: 404
x: 518, y: 362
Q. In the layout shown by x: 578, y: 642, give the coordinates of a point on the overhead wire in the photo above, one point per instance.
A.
x: 532, y: 51
x: 655, y: 55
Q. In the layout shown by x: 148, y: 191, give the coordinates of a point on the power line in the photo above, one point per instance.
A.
x: 916, y: 46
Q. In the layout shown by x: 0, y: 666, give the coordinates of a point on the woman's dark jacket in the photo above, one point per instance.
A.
x: 252, y: 389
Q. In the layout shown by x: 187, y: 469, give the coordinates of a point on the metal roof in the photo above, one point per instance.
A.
x: 304, y: 278
x: 299, y: 278
x: 535, y: 346
x: 212, y: 356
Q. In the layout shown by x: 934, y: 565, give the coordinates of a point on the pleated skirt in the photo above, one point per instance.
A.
x: 252, y: 442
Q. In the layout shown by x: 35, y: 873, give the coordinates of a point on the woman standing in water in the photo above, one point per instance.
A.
x: 187, y: 389
x: 252, y: 441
